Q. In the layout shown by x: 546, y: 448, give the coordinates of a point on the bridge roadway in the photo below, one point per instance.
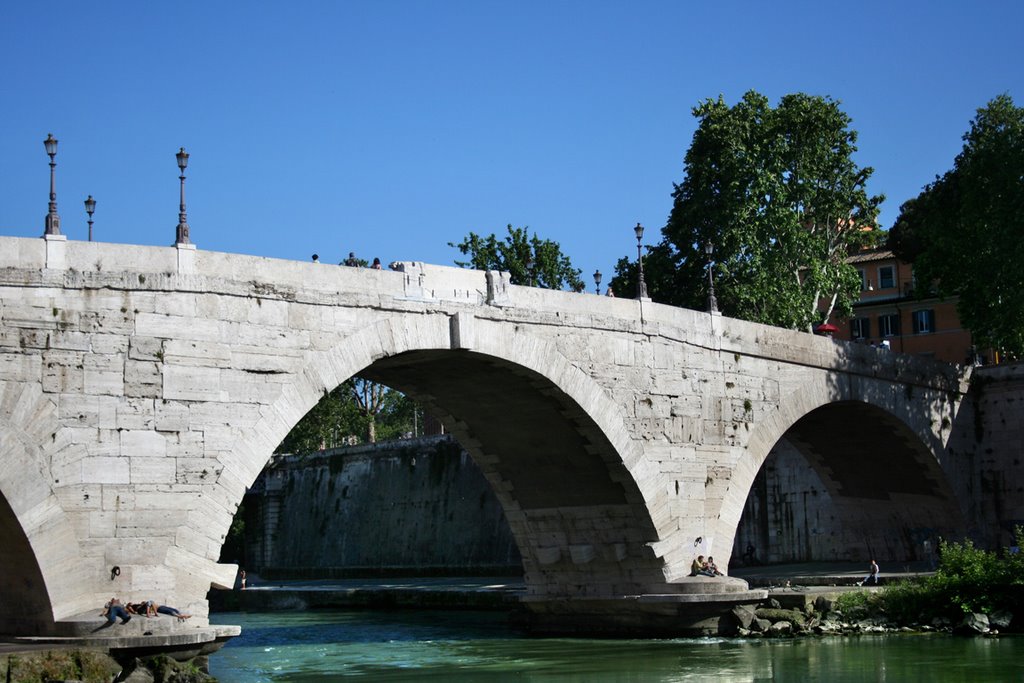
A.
x: 142, y: 389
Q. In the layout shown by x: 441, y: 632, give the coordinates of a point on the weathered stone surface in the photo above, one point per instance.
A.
x: 1000, y: 619
x: 620, y: 447
x: 774, y: 614
x: 972, y: 624
x: 780, y: 628
x: 823, y: 603
x: 744, y: 615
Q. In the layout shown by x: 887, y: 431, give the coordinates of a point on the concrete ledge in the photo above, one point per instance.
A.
x: 727, y: 597
x: 208, y: 639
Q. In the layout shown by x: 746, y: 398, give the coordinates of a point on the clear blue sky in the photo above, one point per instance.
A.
x: 390, y: 128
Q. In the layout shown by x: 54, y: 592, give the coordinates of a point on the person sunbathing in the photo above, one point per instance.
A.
x: 171, y: 611
x: 114, y: 610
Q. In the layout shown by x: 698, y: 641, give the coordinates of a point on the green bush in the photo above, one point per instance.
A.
x: 968, y: 580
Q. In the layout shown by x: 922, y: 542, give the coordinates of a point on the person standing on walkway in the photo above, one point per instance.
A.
x: 872, y: 577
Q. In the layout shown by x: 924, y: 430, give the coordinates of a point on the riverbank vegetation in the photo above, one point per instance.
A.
x: 968, y: 581
x: 973, y: 591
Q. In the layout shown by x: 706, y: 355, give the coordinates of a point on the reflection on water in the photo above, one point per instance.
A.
x: 473, y: 646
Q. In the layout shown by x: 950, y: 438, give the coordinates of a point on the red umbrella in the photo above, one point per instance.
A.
x: 826, y: 329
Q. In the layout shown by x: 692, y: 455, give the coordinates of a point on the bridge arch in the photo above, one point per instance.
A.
x: 39, y: 550
x: 550, y: 440
x: 877, y: 452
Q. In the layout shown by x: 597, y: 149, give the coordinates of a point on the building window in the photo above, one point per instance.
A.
x: 886, y: 277
x: 889, y: 325
x: 860, y: 328
x: 863, y: 279
x: 924, y: 321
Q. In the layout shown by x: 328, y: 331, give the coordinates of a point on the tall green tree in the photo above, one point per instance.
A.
x: 776, y: 194
x: 357, y: 407
x: 965, y: 231
x: 528, y: 259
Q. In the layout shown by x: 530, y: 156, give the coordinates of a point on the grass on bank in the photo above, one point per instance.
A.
x: 967, y: 580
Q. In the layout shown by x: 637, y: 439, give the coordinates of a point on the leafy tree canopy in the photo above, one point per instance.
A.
x: 357, y: 407
x: 775, y: 192
x: 965, y: 231
x: 528, y: 260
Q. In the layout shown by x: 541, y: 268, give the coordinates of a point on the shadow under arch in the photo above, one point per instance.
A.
x: 548, y: 438
x: 883, y: 474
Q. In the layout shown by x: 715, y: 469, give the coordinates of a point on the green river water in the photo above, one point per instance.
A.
x: 480, y: 646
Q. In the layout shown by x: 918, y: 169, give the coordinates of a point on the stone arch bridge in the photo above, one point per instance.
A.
x: 143, y: 389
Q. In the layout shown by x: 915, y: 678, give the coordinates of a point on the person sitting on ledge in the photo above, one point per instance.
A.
x: 700, y: 567
x: 712, y: 567
x: 115, y: 610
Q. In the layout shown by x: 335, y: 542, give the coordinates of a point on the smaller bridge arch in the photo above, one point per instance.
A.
x: 879, y: 455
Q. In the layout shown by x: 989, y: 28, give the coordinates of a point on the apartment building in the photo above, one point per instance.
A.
x: 891, y: 310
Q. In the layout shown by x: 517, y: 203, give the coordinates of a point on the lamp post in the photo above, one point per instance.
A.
x: 52, y: 219
x: 90, y: 207
x: 709, y: 249
x: 597, y: 281
x: 641, y: 284
x: 529, y: 270
x: 182, y: 234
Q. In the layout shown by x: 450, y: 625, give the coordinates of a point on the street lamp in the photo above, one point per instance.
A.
x: 709, y: 249
x: 182, y: 234
x: 641, y: 285
x: 529, y: 270
x: 52, y: 219
x: 90, y: 207
x: 597, y: 281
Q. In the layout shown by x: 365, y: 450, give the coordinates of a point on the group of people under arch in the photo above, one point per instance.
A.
x: 702, y: 567
x: 115, y: 609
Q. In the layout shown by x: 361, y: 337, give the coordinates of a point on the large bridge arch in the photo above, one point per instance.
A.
x: 549, y: 439
x: 871, y: 446
x: 39, y: 549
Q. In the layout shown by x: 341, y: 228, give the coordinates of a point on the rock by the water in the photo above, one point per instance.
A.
x: 973, y: 624
x: 823, y: 603
x: 1000, y: 619
x: 743, y: 614
x: 780, y: 628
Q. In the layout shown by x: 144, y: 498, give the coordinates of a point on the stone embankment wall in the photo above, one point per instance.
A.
x: 989, y: 440
x: 423, y: 507
x: 416, y: 507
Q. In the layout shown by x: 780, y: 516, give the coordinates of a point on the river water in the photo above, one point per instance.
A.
x: 481, y: 646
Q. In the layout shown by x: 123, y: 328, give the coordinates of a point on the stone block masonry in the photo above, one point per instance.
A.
x: 618, y: 444
x: 418, y: 507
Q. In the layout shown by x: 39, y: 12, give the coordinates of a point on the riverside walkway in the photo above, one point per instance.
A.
x: 493, y: 592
